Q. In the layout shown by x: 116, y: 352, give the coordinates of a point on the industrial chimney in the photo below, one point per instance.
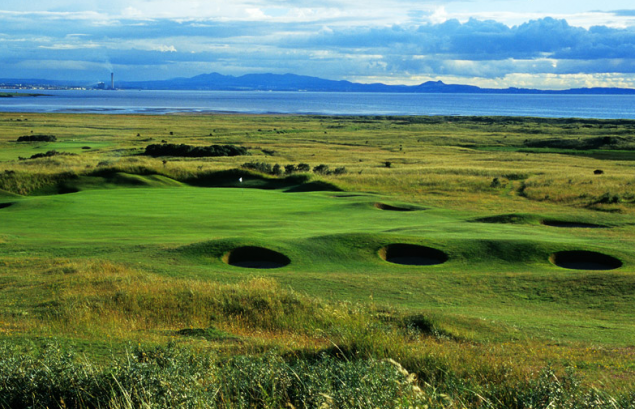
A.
x: 112, y: 80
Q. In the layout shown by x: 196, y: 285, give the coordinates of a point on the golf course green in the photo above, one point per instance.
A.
x: 437, y: 243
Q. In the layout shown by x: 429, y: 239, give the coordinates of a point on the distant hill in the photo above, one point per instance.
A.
x: 292, y: 82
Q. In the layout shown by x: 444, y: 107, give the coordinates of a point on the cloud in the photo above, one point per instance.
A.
x: 166, y: 49
x: 624, y: 13
x: 304, y: 38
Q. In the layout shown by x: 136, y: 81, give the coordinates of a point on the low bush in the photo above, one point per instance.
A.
x: 37, y: 138
x: 321, y: 169
x: 48, y: 154
x: 189, y: 151
x: 277, y: 170
x: 304, y: 167
x: 259, y: 167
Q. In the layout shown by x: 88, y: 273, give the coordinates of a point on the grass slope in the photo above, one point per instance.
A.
x: 333, y: 244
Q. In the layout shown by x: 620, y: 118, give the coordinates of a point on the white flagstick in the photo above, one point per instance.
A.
x: 241, y: 181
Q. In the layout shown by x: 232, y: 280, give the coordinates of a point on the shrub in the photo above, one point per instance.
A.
x: 37, y: 138
x: 258, y: 166
x: 189, y: 151
x: 304, y: 167
x: 321, y: 169
x: 48, y: 154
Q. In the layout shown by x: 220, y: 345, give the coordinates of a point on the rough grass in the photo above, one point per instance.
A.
x: 313, y: 350
x: 433, y: 156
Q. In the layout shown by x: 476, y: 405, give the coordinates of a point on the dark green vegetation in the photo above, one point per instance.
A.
x: 495, y: 277
x: 37, y: 138
x: 47, y: 154
x: 187, y: 151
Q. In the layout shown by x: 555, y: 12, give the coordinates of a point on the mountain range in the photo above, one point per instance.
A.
x: 292, y: 82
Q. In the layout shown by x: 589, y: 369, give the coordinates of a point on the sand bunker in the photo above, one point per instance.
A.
x: 584, y: 260
x: 383, y: 206
x: 556, y: 223
x: 255, y: 257
x: 412, y: 255
x: 5, y: 205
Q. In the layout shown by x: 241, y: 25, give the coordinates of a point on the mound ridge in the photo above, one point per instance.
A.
x: 512, y: 218
x: 384, y: 206
x: 569, y: 224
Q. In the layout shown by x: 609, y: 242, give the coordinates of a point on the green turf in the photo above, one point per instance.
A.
x: 333, y: 240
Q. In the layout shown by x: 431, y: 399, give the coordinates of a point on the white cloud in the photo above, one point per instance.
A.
x: 395, y: 41
x: 166, y: 49
x: 69, y: 46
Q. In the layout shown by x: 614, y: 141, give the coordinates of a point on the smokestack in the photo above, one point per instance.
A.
x: 112, y: 80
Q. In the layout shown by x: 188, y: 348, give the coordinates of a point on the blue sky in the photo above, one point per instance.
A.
x: 491, y: 43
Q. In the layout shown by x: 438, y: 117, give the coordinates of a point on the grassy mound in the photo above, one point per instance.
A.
x: 4, y: 193
x: 513, y: 218
x: 573, y: 225
x: 107, y: 180
x: 384, y: 206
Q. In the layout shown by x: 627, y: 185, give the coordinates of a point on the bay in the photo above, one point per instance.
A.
x: 322, y: 103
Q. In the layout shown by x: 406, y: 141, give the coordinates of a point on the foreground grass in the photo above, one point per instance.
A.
x: 257, y: 344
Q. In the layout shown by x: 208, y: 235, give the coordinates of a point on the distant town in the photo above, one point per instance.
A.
x: 50, y: 85
x: 5, y: 86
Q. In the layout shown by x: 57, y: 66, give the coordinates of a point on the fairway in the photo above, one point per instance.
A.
x: 336, y: 243
x: 187, y: 215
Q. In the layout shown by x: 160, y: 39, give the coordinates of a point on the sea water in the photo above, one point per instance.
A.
x: 323, y: 103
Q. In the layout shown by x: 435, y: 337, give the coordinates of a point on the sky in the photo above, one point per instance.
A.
x: 543, y: 44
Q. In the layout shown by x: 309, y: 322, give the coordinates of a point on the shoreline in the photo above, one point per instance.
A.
x: 20, y: 95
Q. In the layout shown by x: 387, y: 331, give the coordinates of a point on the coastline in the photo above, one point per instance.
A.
x: 20, y: 95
